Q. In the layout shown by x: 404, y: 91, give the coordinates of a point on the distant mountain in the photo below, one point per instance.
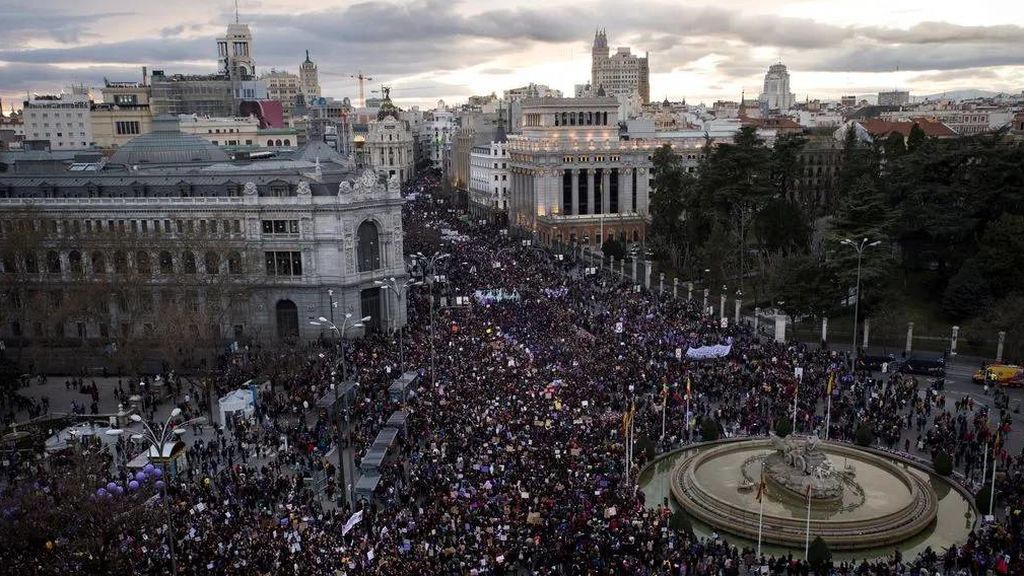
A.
x: 957, y: 95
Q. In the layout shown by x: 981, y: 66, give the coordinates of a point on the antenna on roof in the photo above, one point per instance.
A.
x: 236, y: 11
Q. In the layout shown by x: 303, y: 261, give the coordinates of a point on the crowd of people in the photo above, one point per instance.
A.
x: 513, y: 458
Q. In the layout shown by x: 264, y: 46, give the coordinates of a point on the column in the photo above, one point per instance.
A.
x: 757, y: 319
x: 606, y: 178
x: 867, y: 328
x: 590, y: 191
x: 824, y: 330
x: 952, y: 340
x: 910, y: 337
x: 675, y: 287
x: 739, y: 304
x: 647, y: 274
x: 620, y: 192
x: 575, y: 191
x: 999, y: 346
x: 626, y: 194
x: 689, y: 291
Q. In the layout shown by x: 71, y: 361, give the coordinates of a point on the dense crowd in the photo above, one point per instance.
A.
x: 513, y: 459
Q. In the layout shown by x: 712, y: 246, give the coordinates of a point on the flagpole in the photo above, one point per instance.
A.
x: 796, y: 394
x: 807, y: 538
x: 992, y: 491
x: 688, y: 435
x: 760, y: 514
x: 984, y: 465
x: 828, y: 411
x: 664, y: 408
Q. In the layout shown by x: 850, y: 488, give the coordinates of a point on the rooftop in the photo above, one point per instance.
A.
x: 167, y: 144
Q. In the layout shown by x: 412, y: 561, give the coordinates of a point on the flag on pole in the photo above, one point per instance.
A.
x: 688, y: 384
x: 808, y: 492
x: 831, y: 382
x: 627, y: 417
x: 664, y: 394
x: 762, y: 488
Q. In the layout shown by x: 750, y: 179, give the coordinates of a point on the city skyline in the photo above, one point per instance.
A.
x: 430, y: 50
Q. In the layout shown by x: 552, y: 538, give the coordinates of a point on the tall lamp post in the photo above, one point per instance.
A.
x: 341, y: 332
x: 429, y: 266
x: 859, y: 248
x: 157, y: 437
x: 400, y: 289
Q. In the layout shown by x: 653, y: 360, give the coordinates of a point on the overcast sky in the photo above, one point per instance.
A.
x: 428, y: 49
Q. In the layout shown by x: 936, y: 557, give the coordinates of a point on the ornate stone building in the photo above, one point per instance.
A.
x: 389, y: 145
x: 572, y: 179
x: 619, y: 74
x: 171, y: 230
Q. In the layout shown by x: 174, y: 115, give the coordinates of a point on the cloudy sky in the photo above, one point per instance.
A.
x: 700, y: 50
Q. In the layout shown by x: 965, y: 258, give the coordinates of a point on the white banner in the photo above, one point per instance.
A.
x: 352, y: 521
x: 709, y: 352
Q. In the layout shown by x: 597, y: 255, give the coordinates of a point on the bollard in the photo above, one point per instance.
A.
x: 952, y: 340
x: 721, y: 308
x: 824, y: 331
x: 675, y: 287
x: 647, y: 274
x: 999, y: 346
x: 689, y: 291
x: 867, y: 328
x: 780, y: 328
x: 661, y: 284
x: 757, y: 319
x: 910, y: 337
x: 705, y: 299
x: 739, y: 304
x: 634, y: 270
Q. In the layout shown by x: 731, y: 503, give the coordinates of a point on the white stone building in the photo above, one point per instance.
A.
x: 64, y: 119
x: 436, y: 134
x: 171, y: 216
x: 236, y: 131
x: 489, y: 178
x: 776, y: 94
x: 572, y: 179
x: 621, y: 73
x: 388, y: 146
x: 309, y: 79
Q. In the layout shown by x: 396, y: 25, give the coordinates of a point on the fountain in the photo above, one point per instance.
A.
x: 872, y: 502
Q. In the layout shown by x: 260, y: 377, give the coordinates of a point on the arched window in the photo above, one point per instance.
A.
x: 590, y: 118
x: 142, y: 262
x: 31, y: 263
x: 277, y: 142
x: 99, y: 263
x: 53, y: 262
x: 605, y: 121
x: 75, y: 261
x: 580, y: 119
x: 234, y: 263
x: 572, y: 118
x: 188, y: 262
x: 287, y: 142
x: 368, y: 249
x: 565, y: 119
x: 212, y: 260
x: 270, y: 142
x: 556, y: 119
x: 120, y: 262
x: 166, y: 263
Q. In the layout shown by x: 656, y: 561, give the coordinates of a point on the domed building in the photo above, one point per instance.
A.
x: 167, y: 144
x: 388, y: 145
x: 173, y: 238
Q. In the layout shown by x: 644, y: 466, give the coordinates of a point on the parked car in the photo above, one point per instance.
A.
x: 874, y: 363
x: 1003, y: 374
x: 925, y: 366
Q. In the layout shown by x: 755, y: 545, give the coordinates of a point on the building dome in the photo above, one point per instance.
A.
x: 167, y: 144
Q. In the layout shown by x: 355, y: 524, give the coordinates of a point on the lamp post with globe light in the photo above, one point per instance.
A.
x: 429, y: 267
x: 157, y: 437
x: 400, y: 289
x: 859, y: 248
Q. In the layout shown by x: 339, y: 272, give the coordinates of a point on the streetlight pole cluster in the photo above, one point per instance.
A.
x: 400, y: 289
x: 859, y: 248
x: 428, y: 265
x: 157, y: 437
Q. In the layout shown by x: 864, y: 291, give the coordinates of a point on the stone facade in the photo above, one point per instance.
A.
x: 572, y: 179
x: 388, y: 148
x: 277, y: 234
x: 619, y: 74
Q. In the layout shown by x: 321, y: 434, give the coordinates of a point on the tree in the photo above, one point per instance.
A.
x: 942, y: 463
x: 863, y: 214
x: 1001, y: 254
x: 916, y: 138
x: 818, y: 554
x: 709, y: 429
x: 614, y: 248
x: 865, y: 435
x: 967, y: 294
x: 670, y: 234
x: 783, y: 427
x: 680, y: 522
x: 803, y: 284
x: 895, y: 146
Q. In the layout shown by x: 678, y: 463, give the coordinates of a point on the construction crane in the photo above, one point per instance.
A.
x: 358, y: 76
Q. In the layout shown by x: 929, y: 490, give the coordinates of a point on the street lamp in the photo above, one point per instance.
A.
x: 167, y: 433
x: 429, y: 265
x: 400, y: 289
x: 859, y: 248
x: 341, y: 333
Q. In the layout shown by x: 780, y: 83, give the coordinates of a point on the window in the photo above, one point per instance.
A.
x: 234, y: 263
x: 280, y: 226
x: 75, y: 261
x: 31, y: 264
x: 212, y: 262
x: 126, y: 127
x: 99, y: 263
x: 188, y: 262
x: 283, y: 263
x: 141, y: 262
x: 166, y: 263
x: 368, y: 249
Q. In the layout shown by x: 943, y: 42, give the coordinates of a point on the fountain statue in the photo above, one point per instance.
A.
x: 797, y: 464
